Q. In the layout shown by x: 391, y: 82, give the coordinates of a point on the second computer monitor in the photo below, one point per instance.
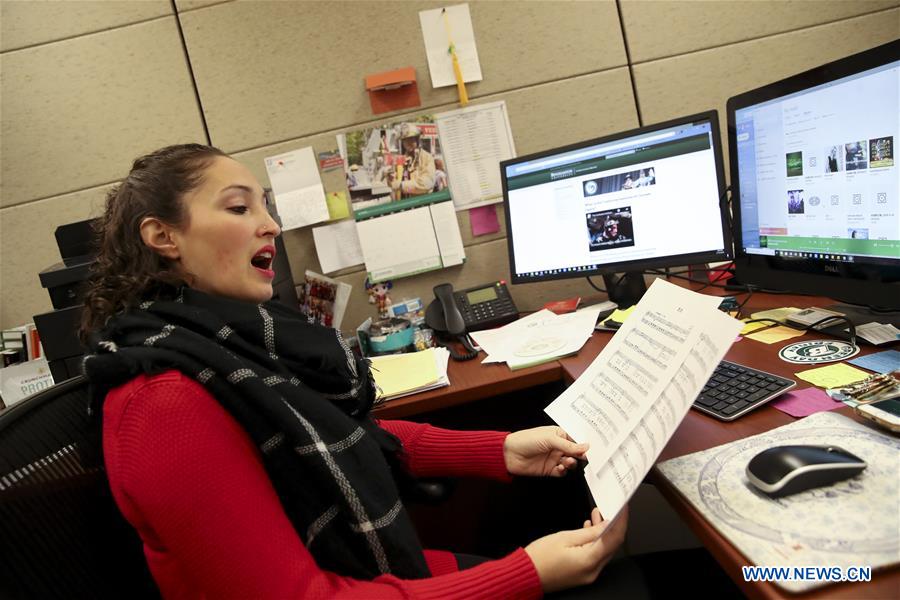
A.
x: 642, y: 199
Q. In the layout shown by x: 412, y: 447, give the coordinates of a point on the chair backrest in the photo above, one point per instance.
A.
x: 61, y: 534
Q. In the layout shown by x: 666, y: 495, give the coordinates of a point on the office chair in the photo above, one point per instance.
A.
x: 61, y: 534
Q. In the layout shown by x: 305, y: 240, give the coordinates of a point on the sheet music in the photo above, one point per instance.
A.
x: 631, y: 399
x: 620, y: 476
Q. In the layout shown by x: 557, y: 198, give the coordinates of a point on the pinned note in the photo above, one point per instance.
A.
x: 337, y: 205
x: 337, y: 246
x: 833, y: 376
x: 435, y: 24
x: 484, y: 220
x: 298, y: 190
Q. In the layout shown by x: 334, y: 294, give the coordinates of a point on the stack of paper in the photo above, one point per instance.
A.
x: 630, y: 400
x: 538, y: 338
x: 399, y: 375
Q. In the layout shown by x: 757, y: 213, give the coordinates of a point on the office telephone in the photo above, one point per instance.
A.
x: 454, y: 313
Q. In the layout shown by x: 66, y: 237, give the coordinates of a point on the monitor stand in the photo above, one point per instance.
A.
x: 625, y: 289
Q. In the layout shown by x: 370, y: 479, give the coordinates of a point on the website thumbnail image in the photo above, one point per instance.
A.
x: 856, y: 155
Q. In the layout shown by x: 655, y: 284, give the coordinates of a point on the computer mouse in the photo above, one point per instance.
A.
x: 785, y: 470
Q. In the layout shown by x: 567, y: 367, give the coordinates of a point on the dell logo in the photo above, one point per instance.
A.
x: 831, y: 269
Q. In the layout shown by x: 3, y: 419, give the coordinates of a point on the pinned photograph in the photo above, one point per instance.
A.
x: 393, y: 161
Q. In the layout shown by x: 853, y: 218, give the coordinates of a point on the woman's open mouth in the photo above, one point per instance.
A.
x: 262, y: 260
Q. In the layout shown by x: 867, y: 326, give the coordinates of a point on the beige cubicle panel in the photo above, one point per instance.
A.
x: 27, y: 246
x: 30, y: 23
x: 76, y: 112
x: 275, y: 71
x: 656, y: 29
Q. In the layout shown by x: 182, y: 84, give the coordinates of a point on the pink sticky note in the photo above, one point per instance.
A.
x: 484, y: 220
x: 802, y: 403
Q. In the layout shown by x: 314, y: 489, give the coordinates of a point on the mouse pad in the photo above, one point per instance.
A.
x: 850, y: 523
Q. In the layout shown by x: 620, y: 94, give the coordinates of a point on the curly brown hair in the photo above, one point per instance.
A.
x: 126, y: 271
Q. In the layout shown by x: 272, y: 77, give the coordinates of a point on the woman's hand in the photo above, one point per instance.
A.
x: 572, y: 558
x: 541, y: 451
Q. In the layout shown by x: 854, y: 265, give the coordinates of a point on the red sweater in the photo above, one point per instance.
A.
x: 188, y: 478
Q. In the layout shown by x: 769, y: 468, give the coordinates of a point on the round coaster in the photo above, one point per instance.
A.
x: 817, y: 351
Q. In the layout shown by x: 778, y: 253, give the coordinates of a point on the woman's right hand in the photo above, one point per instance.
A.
x: 572, y: 558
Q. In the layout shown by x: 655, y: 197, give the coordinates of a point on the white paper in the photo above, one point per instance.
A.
x: 399, y: 244
x: 446, y: 229
x: 21, y: 380
x: 437, y: 44
x: 499, y: 343
x: 299, y: 194
x: 630, y: 399
x: 620, y: 476
x: 538, y: 337
x: 474, y: 140
x: 878, y: 333
x: 564, y: 335
x: 338, y: 246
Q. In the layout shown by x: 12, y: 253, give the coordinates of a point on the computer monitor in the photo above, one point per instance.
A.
x: 815, y: 181
x: 642, y: 199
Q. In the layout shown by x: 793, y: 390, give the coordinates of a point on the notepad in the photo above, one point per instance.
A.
x: 399, y: 375
x: 833, y: 376
x: 774, y: 334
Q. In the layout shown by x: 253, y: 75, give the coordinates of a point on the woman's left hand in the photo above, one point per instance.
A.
x: 541, y: 451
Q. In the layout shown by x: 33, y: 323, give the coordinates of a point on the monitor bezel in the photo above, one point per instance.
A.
x: 857, y: 282
x: 635, y: 265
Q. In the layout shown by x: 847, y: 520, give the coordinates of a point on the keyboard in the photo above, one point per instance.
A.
x: 734, y: 390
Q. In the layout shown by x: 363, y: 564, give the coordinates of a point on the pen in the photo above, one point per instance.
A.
x: 457, y: 70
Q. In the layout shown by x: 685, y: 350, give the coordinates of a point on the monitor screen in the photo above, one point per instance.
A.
x: 815, y: 178
x: 646, y: 198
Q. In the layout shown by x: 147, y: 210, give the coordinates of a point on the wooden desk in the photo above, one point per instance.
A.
x: 699, y: 432
x: 470, y: 381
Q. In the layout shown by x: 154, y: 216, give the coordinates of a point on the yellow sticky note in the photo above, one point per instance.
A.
x: 619, y: 316
x: 774, y: 334
x: 778, y: 314
x: 337, y: 205
x: 750, y: 327
x: 404, y: 372
x: 833, y: 376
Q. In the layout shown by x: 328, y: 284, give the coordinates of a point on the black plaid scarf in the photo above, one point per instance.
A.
x: 303, y: 398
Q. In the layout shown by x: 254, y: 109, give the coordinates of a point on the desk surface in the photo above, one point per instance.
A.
x: 699, y: 432
x: 471, y: 381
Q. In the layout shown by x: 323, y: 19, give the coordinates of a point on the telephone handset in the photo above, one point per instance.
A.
x: 453, y: 314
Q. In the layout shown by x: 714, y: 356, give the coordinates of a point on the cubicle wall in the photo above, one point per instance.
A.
x: 88, y: 86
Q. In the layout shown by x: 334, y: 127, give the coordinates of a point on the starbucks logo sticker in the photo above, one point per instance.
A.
x: 817, y: 351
